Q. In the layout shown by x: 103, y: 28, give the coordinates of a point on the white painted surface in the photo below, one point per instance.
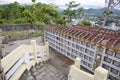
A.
x: 70, y: 78
x: 26, y: 58
x: 14, y: 68
x: 41, y: 54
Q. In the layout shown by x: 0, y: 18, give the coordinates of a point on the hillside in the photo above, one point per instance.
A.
x: 99, y: 12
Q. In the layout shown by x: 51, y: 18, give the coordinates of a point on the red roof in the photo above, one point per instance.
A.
x: 99, y: 35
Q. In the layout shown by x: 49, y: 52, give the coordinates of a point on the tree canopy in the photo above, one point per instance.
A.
x: 39, y: 13
x: 73, y: 10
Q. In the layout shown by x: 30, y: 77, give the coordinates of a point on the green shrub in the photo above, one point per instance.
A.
x: 19, y: 21
x: 10, y: 33
x: 86, y: 23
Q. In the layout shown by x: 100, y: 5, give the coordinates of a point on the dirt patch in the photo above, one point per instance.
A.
x: 61, y: 62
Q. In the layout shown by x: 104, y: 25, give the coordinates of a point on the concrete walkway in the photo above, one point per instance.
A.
x: 13, y: 45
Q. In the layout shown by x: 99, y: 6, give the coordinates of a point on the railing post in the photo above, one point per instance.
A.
x: 77, y: 62
x: 33, y: 43
x: 47, y: 50
x: 100, y: 73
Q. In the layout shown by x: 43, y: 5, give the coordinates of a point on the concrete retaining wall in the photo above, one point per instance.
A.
x: 19, y: 27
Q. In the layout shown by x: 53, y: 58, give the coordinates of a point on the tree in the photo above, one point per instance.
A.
x: 110, y: 4
x: 71, y: 10
x: 80, y: 11
x: 86, y: 23
x: 36, y: 13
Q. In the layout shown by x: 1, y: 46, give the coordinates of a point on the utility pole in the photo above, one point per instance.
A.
x: 109, y: 6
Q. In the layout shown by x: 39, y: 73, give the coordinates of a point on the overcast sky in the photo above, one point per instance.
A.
x: 61, y: 3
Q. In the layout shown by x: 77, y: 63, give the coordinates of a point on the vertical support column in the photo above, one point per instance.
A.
x: 77, y: 62
x: 33, y: 43
x: 100, y: 73
x: 1, y: 71
x: 47, y: 50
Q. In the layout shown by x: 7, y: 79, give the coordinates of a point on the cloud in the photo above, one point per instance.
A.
x: 20, y: 1
x: 61, y: 3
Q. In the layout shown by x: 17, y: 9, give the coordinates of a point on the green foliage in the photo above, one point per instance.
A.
x: 86, y: 23
x: 33, y: 0
x: 72, y: 10
x: 80, y: 11
x: 20, y: 21
x: 35, y: 13
x: 10, y: 33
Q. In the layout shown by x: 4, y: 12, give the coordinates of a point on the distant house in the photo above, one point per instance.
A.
x: 113, y: 27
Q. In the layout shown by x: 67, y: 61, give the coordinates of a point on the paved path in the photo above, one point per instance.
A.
x: 13, y: 45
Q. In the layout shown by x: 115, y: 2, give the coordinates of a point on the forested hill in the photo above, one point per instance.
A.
x: 98, y: 12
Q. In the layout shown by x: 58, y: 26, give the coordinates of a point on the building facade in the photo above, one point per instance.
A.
x: 92, y: 45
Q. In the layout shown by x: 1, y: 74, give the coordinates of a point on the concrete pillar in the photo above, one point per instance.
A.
x: 1, y: 70
x: 47, y: 50
x: 100, y: 73
x: 33, y: 43
x: 77, y: 62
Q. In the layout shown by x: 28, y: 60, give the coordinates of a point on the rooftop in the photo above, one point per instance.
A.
x: 100, y: 36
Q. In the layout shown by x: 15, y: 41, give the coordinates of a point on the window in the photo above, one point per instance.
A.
x: 114, y: 71
x: 69, y: 38
x: 112, y: 78
x: 78, y: 40
x: 109, y: 52
x: 90, y: 59
x: 82, y: 49
x: 87, y: 44
x: 75, y: 40
x: 92, y: 46
x: 107, y: 59
x: 68, y: 53
x: 85, y: 63
x: 77, y: 53
x: 91, y: 53
x: 82, y: 42
x: 117, y: 55
x: 86, y: 57
x: 81, y: 55
x: 72, y: 56
x: 68, y: 43
x: 116, y: 63
x: 87, y: 51
x: 68, y: 48
x: 77, y: 47
x: 72, y: 50
x: 73, y: 45
x: 105, y: 66
x: 57, y: 38
x: 89, y: 65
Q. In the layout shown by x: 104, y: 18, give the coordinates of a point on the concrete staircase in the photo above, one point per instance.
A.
x: 43, y: 71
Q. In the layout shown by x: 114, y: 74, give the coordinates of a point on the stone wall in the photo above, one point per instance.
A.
x: 19, y: 27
